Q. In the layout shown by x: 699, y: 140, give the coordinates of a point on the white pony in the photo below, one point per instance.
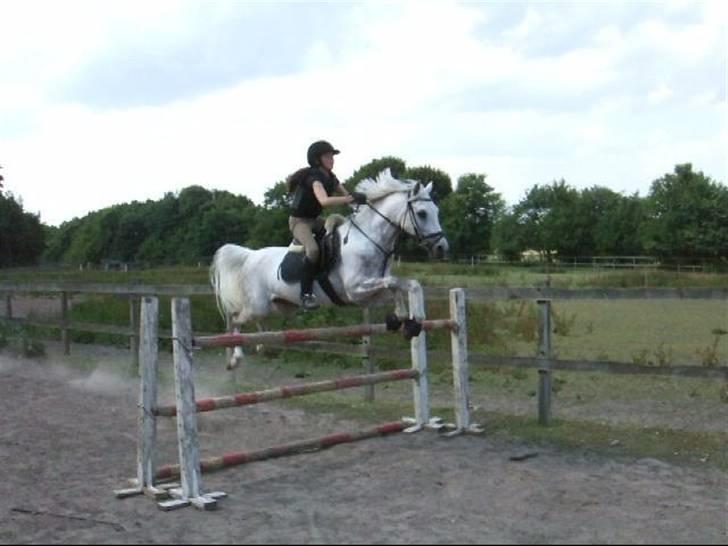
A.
x: 247, y: 285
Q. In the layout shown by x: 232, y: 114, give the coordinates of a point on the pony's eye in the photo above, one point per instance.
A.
x: 422, y: 215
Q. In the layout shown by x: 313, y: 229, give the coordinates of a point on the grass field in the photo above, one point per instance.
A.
x: 428, y: 273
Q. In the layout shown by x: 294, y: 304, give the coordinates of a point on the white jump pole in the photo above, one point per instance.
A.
x: 420, y: 387
x: 184, y: 386
x: 460, y: 365
x: 147, y: 420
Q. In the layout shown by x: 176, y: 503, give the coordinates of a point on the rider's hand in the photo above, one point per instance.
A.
x: 359, y: 198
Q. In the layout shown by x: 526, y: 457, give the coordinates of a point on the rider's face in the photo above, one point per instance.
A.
x: 327, y: 161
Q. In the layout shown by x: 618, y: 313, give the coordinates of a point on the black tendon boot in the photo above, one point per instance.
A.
x: 308, y: 299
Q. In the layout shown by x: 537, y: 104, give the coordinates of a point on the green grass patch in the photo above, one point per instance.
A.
x: 679, y: 446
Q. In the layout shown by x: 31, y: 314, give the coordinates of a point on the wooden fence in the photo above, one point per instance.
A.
x: 542, y: 361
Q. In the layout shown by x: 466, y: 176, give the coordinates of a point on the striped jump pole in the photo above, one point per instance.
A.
x: 239, y: 457
x: 314, y: 334
x: 256, y: 397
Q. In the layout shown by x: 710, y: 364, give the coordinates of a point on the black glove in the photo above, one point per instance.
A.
x: 359, y: 198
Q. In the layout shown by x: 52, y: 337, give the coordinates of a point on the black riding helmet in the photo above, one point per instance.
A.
x: 317, y: 149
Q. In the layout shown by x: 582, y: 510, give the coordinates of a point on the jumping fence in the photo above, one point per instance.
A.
x: 186, y: 407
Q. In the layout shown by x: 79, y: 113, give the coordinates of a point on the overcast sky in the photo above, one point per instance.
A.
x: 114, y: 101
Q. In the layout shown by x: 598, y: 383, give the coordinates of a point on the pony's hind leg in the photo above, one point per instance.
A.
x: 236, y: 355
x: 259, y: 348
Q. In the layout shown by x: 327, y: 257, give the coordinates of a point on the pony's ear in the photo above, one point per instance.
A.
x: 385, y: 173
x: 428, y: 188
x: 416, y: 189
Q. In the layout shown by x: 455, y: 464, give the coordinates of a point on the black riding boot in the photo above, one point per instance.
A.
x: 308, y: 299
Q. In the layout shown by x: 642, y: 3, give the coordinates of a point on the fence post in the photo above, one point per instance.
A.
x: 64, y: 324
x: 418, y: 347
x: 146, y: 419
x: 366, y: 342
x: 459, y: 343
x: 544, y: 355
x: 184, y: 387
x: 134, y: 326
x: 8, y: 306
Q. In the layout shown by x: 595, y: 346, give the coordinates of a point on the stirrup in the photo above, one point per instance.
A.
x: 308, y: 302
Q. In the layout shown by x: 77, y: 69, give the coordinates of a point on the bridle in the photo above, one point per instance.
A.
x: 426, y: 241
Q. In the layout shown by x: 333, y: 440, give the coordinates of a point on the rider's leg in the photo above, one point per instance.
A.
x: 303, y: 229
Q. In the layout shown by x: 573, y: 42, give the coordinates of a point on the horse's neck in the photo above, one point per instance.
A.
x: 383, y: 231
x: 369, y: 255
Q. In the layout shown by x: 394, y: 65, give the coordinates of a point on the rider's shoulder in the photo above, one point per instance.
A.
x: 317, y: 174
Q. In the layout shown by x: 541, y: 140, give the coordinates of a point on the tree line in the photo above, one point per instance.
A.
x: 685, y: 216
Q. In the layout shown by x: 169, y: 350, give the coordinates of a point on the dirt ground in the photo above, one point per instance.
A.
x: 67, y: 439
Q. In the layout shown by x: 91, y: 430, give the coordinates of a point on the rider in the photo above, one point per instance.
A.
x: 315, y: 187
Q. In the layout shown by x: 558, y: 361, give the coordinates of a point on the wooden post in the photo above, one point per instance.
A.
x: 64, y: 322
x: 544, y: 355
x: 134, y: 326
x: 184, y: 386
x: 146, y: 419
x: 366, y: 343
x: 419, y: 358
x: 459, y: 343
x: 8, y: 306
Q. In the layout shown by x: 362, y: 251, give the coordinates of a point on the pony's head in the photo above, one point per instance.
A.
x: 419, y: 216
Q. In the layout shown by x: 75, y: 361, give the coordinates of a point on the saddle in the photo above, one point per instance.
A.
x: 329, y: 243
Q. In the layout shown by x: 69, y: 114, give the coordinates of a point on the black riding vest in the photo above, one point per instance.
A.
x: 304, y: 203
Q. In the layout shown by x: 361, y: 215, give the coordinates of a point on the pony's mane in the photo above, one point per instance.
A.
x: 384, y: 185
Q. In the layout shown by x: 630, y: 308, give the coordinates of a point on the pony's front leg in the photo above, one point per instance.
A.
x: 370, y: 288
x: 400, y: 289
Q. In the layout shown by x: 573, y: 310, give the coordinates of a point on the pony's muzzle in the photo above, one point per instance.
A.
x: 440, y: 250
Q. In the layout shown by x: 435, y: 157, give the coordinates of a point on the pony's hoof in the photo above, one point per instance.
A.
x: 412, y: 328
x: 393, y: 322
x: 232, y: 364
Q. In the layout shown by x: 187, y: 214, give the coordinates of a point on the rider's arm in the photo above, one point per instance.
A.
x: 326, y: 200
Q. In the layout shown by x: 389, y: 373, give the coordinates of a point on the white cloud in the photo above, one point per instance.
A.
x: 532, y: 22
x: 660, y: 94
x: 393, y: 85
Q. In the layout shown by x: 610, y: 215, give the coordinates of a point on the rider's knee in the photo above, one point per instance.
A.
x: 312, y: 254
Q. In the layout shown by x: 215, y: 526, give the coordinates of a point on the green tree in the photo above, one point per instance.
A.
x: 179, y: 228
x: 441, y: 183
x: 469, y: 214
x: 547, y: 220
x: 687, y: 216
x: 372, y: 169
x: 22, y: 235
x: 509, y: 236
x: 271, y: 220
x: 616, y: 221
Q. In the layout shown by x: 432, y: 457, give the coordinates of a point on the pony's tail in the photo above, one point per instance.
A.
x: 227, y: 279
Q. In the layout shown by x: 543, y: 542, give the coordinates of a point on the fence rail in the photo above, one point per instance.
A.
x: 474, y: 293
x: 479, y: 294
